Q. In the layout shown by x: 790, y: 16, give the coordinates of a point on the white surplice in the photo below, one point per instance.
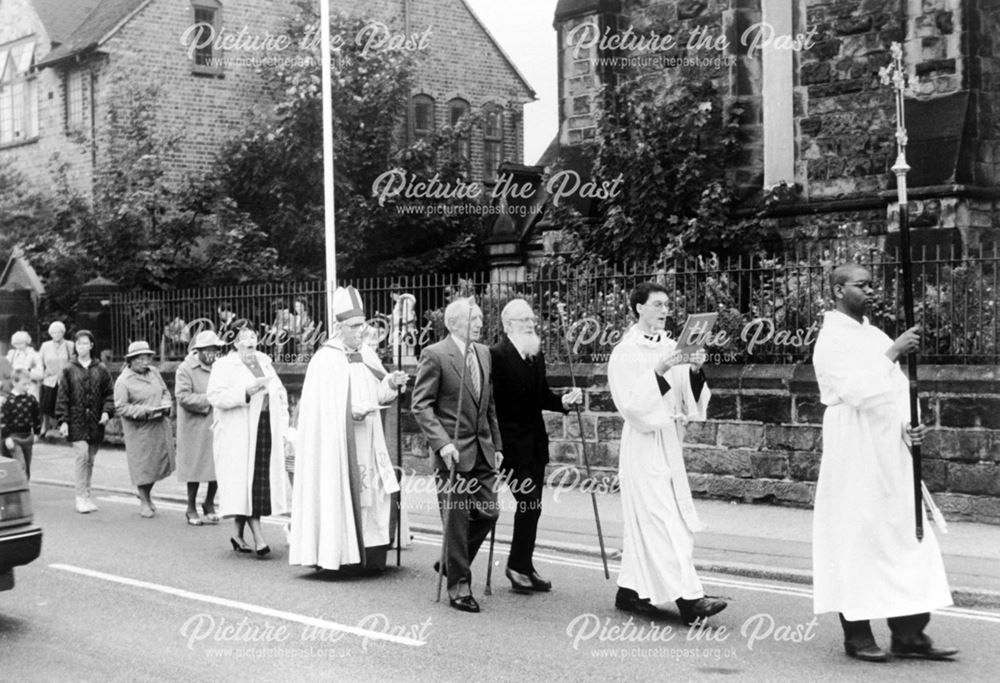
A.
x: 867, y: 563
x: 659, y: 515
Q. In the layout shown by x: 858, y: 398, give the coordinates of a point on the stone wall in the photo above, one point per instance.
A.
x: 762, y: 441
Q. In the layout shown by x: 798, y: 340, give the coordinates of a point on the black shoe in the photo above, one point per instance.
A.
x: 628, y: 600
x: 519, y: 583
x: 921, y: 649
x: 239, y: 545
x: 437, y: 569
x: 538, y: 583
x: 264, y: 550
x: 702, y: 608
x: 867, y: 652
x: 464, y: 603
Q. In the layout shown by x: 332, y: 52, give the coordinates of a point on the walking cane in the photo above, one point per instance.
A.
x: 583, y: 441
x: 894, y: 75
x: 454, y: 465
x: 489, y: 570
x: 399, y: 441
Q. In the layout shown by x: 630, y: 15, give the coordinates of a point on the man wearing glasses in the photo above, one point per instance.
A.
x: 522, y: 392
x: 656, y: 389
x: 867, y: 562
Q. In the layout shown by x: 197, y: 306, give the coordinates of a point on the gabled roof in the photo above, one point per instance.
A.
x: 103, y: 20
x: 61, y: 18
x: 510, y: 62
x: 18, y: 274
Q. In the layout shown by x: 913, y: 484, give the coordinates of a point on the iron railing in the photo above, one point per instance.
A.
x: 770, y: 307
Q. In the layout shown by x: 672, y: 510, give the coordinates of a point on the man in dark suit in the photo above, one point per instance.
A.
x: 522, y: 392
x: 475, y: 454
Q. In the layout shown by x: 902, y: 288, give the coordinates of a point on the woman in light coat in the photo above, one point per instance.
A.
x: 250, y: 410
x: 56, y: 354
x: 194, y: 426
x: 143, y: 403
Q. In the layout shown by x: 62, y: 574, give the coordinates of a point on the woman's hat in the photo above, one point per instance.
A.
x: 205, y: 339
x: 138, y: 348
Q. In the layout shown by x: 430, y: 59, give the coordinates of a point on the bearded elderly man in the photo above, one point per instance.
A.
x: 521, y: 391
x: 867, y: 561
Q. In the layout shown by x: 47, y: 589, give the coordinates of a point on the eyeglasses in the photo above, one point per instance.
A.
x: 531, y: 320
x: 864, y: 284
x: 659, y: 305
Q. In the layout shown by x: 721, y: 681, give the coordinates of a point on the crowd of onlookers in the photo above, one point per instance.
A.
x: 63, y: 386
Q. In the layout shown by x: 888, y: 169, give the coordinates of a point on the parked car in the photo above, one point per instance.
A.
x: 20, y: 538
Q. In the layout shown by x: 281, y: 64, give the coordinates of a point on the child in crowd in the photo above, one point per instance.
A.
x: 20, y: 420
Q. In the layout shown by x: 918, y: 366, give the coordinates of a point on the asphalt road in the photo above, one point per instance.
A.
x: 115, y: 597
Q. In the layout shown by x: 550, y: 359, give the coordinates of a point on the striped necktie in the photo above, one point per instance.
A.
x: 473, y: 370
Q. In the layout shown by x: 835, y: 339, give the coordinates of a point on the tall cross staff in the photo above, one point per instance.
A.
x: 894, y: 75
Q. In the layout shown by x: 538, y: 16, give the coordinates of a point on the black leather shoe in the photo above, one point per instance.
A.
x: 437, y: 569
x: 922, y: 649
x: 628, y: 600
x: 519, y: 583
x: 869, y: 652
x: 538, y: 583
x: 464, y: 603
x: 702, y: 608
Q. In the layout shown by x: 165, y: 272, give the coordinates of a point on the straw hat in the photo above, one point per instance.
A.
x: 138, y: 348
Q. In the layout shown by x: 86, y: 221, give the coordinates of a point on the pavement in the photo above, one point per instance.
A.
x: 757, y: 541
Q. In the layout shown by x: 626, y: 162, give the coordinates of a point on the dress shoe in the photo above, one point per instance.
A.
x: 702, y: 608
x: 519, y: 583
x: 263, y: 550
x: 628, y: 600
x: 868, y: 652
x: 921, y: 649
x: 464, y: 603
x: 239, y: 545
x: 193, y: 520
x: 210, y: 515
x: 538, y: 583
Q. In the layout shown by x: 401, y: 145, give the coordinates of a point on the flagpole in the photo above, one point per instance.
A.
x: 330, y: 220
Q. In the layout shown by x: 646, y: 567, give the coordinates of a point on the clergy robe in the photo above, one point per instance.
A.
x: 344, y: 478
x: 234, y: 433
x: 659, y: 515
x: 867, y: 563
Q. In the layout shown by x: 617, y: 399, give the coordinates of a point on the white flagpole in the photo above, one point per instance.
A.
x: 330, y: 221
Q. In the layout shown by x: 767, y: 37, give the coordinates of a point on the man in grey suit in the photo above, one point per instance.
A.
x: 475, y: 454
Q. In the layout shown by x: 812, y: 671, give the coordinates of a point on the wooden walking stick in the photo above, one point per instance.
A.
x: 583, y: 441
x: 489, y: 570
x: 894, y: 75
x: 454, y: 465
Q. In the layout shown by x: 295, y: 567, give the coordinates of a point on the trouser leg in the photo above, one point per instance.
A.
x: 857, y: 633
x: 909, y: 629
x: 526, y: 486
x: 84, y: 467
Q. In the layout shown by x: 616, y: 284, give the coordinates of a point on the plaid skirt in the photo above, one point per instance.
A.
x: 260, y: 488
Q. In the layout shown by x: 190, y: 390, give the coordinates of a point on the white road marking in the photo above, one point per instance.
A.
x: 582, y: 563
x: 244, y: 606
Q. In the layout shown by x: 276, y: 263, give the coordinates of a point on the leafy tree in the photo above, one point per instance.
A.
x: 673, y: 151
x: 275, y: 170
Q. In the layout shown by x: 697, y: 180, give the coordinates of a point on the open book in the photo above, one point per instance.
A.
x: 696, y: 332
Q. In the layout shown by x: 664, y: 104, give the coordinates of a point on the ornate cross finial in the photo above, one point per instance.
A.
x: 894, y: 74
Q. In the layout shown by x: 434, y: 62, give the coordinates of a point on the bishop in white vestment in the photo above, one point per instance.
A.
x: 344, y: 477
x: 657, y: 389
x: 867, y: 562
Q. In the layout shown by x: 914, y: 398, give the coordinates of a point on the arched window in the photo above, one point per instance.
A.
x: 423, y: 116
x: 492, y: 142
x: 457, y: 108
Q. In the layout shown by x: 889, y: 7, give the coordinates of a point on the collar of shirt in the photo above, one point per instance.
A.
x: 460, y: 344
